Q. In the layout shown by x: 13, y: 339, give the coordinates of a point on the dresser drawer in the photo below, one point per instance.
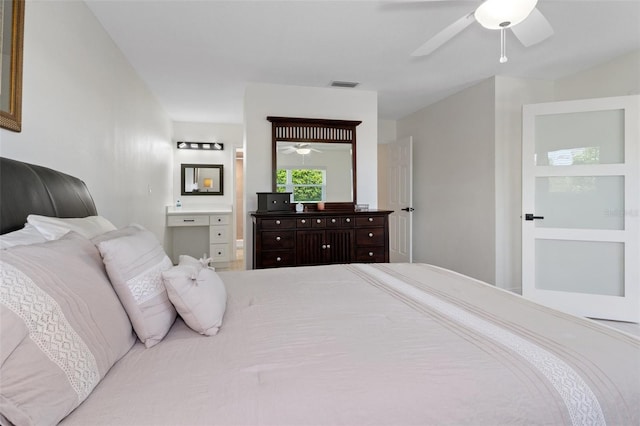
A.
x: 318, y: 222
x: 276, y: 240
x: 278, y: 223
x: 188, y: 220
x: 219, y: 219
x: 276, y: 259
x: 370, y: 237
x: 220, y: 253
x: 340, y: 222
x: 370, y: 254
x: 218, y: 234
x: 370, y: 221
x: 303, y: 222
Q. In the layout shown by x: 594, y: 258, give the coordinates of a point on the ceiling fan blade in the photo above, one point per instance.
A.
x: 445, y: 35
x: 533, y: 30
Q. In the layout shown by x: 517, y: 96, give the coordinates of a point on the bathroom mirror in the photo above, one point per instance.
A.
x: 202, y: 179
x: 315, y: 159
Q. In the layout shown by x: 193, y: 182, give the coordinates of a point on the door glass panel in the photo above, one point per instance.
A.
x: 585, y: 202
x: 593, y: 137
x: 580, y: 267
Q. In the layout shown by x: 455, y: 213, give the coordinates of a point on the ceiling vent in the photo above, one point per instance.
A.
x: 349, y: 84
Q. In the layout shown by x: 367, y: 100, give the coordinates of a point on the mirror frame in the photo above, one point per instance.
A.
x: 315, y: 130
x: 220, y: 168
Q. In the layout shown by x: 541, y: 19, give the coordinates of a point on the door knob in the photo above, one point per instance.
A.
x: 530, y: 216
x: 408, y: 209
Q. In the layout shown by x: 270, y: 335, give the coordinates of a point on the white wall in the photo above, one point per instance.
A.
x: 87, y: 113
x: 454, y: 181
x: 618, y: 77
x: 228, y: 134
x: 510, y: 95
x: 262, y: 100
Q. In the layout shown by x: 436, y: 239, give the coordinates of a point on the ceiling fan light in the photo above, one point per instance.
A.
x: 303, y: 151
x: 496, y: 14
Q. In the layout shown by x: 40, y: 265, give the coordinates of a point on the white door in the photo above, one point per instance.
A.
x: 581, y: 190
x: 400, y: 199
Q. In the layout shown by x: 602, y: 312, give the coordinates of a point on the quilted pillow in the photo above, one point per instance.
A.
x: 54, y: 227
x: 135, y: 261
x: 62, y: 327
x: 198, y: 294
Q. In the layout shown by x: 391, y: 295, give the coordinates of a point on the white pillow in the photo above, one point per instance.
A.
x: 53, y: 227
x: 198, y: 294
x: 135, y: 261
x: 22, y: 237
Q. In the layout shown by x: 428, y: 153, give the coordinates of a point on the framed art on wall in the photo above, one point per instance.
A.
x: 11, y: 39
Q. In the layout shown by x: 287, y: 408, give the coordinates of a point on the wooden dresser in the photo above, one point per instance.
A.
x: 319, y: 237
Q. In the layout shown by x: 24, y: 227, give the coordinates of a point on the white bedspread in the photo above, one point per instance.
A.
x: 392, y: 344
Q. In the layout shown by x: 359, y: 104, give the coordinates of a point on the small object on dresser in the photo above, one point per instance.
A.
x: 299, y: 207
x: 361, y: 207
x: 178, y: 204
x: 320, y: 205
x: 274, y: 201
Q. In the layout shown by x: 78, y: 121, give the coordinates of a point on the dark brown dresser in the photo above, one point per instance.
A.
x: 319, y: 238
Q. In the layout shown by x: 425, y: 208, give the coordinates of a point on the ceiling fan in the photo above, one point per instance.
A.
x: 299, y: 148
x: 526, y: 22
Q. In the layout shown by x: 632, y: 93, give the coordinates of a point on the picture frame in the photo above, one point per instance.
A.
x: 11, y: 45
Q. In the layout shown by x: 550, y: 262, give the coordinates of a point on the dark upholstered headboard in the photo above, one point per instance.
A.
x: 29, y: 189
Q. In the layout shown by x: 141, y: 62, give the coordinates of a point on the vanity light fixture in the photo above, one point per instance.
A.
x: 207, y: 146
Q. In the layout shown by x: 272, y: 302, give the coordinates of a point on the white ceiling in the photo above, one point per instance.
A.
x: 198, y: 56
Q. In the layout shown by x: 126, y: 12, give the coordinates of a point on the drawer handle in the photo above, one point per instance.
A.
x: 333, y: 221
x: 318, y: 220
x: 303, y: 221
x: 277, y: 222
x: 274, y: 202
x: 219, y: 234
x: 188, y: 220
x: 370, y: 254
x: 370, y: 234
x: 278, y: 259
x: 219, y: 253
x: 370, y: 219
x: 348, y: 220
x: 277, y: 238
x: 328, y: 245
x: 219, y: 220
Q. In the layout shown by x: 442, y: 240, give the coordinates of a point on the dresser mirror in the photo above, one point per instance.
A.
x: 315, y: 159
x: 202, y: 179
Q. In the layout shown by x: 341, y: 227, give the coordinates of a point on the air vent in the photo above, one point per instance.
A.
x: 349, y: 84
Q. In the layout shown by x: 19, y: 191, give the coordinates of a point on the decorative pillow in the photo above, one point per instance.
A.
x: 62, y: 327
x: 22, y: 237
x: 198, y: 294
x: 135, y: 263
x: 53, y: 227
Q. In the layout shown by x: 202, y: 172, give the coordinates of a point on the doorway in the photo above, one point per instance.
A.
x: 580, y: 187
x: 238, y: 263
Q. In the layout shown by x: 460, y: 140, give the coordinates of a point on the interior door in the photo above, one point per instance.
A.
x: 400, y: 199
x: 581, y: 186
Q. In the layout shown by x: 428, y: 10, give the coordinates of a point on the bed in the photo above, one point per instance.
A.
x: 359, y: 344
